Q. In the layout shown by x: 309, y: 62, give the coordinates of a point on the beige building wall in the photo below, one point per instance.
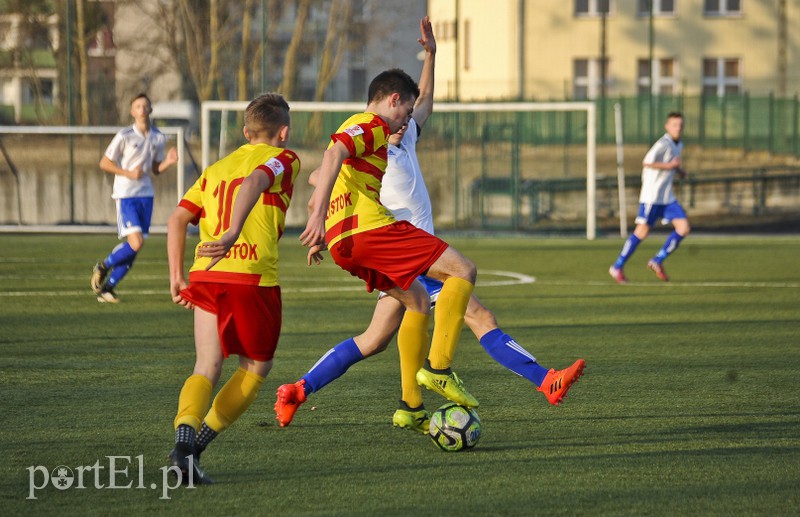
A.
x: 491, y: 57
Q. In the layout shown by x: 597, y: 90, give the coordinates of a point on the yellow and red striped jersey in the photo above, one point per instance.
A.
x: 355, y: 205
x: 253, y: 259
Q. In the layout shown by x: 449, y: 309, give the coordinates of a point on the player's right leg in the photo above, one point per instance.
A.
x: 386, y: 319
x: 458, y: 276
x: 133, y: 222
x: 647, y: 216
x: 195, y: 397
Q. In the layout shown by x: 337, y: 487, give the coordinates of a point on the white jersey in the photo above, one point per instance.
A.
x: 129, y: 148
x: 403, y: 190
x: 657, y: 183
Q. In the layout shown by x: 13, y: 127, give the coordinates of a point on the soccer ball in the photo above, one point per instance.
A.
x: 454, y: 428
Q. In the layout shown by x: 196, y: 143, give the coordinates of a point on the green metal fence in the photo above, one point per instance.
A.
x: 741, y: 122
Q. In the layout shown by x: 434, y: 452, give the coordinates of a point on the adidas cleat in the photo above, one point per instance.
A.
x: 447, y: 385
x: 557, y: 383
x: 290, y: 396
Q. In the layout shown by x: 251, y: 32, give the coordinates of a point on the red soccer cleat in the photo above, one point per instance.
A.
x: 658, y: 269
x: 290, y: 396
x: 557, y: 383
x: 617, y: 275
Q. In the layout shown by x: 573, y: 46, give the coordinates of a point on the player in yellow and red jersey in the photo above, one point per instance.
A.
x: 364, y: 239
x: 237, y: 305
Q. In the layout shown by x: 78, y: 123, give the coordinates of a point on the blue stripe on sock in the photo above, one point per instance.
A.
x: 121, y: 254
x: 627, y: 250
x: 332, y: 365
x: 512, y: 356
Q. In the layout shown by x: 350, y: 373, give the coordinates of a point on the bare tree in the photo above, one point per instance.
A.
x: 290, y: 65
x: 83, y: 73
x: 335, y: 47
x: 244, y: 50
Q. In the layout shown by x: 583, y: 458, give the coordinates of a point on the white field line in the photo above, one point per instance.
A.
x: 507, y: 278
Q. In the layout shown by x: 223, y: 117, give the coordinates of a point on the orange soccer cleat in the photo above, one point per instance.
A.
x: 557, y: 383
x: 290, y: 396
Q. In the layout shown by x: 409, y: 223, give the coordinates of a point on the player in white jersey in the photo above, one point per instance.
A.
x: 403, y: 191
x: 134, y: 153
x: 657, y: 201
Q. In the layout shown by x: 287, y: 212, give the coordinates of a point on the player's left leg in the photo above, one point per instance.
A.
x: 554, y: 384
x: 232, y: 400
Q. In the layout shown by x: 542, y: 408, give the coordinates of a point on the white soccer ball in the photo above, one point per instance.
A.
x: 454, y: 428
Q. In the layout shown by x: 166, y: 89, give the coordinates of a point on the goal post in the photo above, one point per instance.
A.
x: 224, y: 107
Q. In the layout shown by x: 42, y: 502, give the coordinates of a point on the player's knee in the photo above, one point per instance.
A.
x: 478, y: 316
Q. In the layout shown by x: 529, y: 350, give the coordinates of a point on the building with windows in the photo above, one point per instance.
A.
x: 587, y: 49
x: 28, y: 75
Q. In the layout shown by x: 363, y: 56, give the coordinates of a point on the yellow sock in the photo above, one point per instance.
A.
x: 448, y: 319
x: 193, y: 401
x: 412, y: 343
x: 233, y: 399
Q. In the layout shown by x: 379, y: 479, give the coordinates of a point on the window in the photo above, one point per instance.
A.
x: 722, y: 7
x: 593, y: 7
x: 665, y: 76
x: 660, y: 7
x: 722, y: 76
x: 587, y: 76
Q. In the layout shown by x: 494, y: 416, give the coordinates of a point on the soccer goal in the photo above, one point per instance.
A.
x: 487, y: 165
x: 51, y: 179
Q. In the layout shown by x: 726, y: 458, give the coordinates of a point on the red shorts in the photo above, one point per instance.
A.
x: 248, y: 316
x: 389, y: 256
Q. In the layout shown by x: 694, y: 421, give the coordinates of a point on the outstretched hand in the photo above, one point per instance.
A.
x: 426, y: 38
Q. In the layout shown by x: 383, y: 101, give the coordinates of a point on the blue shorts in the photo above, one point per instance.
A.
x: 649, y: 214
x: 133, y: 215
x: 432, y: 286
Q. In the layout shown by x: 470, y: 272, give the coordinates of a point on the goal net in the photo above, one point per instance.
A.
x: 50, y: 178
x: 488, y: 166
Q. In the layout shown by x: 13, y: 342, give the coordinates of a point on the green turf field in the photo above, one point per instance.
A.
x: 690, y: 403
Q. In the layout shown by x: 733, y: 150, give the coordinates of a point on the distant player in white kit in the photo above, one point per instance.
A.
x: 133, y: 154
x: 657, y: 201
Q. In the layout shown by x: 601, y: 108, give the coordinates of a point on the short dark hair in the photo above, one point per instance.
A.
x: 392, y: 81
x: 141, y: 95
x: 267, y: 113
x: 674, y: 114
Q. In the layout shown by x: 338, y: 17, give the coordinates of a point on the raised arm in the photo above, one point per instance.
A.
x: 424, y: 105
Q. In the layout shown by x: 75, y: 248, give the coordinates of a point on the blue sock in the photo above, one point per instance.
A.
x: 118, y: 273
x: 121, y: 254
x: 510, y: 354
x: 627, y: 250
x: 670, y: 245
x: 332, y: 365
